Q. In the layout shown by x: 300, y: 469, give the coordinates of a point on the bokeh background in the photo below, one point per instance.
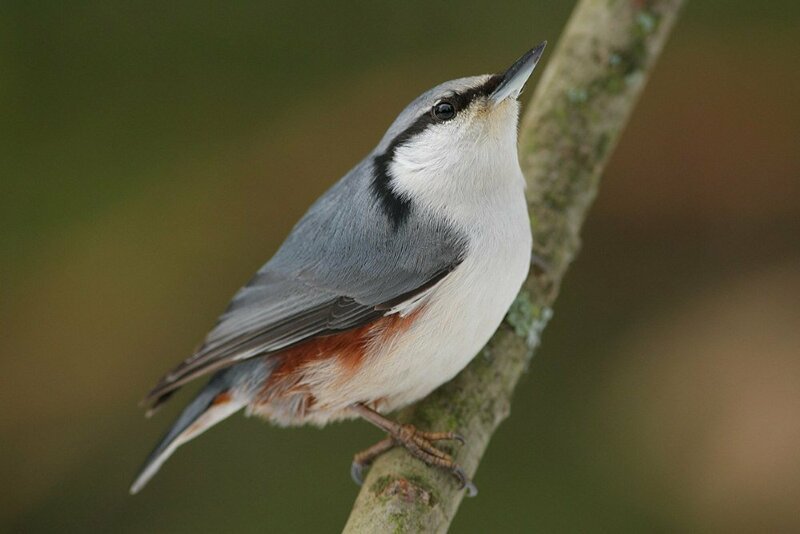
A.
x: 154, y: 154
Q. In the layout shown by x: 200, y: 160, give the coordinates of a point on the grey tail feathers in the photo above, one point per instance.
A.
x: 214, y: 403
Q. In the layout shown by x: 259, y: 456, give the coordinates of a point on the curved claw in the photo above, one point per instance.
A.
x: 418, y: 443
x: 357, y: 473
x: 472, y: 489
x: 440, y: 436
x: 465, y: 482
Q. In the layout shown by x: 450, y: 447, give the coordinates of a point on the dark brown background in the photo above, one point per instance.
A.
x: 154, y: 156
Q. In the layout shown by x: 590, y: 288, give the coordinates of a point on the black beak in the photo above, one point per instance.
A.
x: 517, y: 74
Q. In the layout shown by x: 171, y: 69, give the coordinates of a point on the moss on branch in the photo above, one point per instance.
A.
x: 571, y: 126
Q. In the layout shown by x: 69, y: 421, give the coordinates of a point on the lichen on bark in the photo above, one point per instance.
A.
x: 570, y: 128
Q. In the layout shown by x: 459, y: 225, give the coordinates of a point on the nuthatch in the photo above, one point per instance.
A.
x: 387, y: 287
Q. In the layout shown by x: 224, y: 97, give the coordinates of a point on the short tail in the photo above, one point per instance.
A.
x: 214, y: 403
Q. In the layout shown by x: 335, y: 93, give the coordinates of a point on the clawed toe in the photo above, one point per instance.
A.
x: 357, y: 473
x: 418, y: 443
x: 441, y: 436
x: 465, y: 482
x: 366, y: 457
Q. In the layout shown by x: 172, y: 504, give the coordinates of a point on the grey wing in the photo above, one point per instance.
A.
x: 343, y: 266
x: 293, y: 313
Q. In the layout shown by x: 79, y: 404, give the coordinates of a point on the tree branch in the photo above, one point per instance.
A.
x: 572, y: 124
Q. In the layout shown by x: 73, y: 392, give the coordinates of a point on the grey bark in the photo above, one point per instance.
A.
x: 587, y: 91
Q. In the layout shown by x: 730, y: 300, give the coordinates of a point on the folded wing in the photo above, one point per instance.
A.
x: 341, y: 267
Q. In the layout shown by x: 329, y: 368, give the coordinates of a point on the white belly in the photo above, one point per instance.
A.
x: 458, y: 317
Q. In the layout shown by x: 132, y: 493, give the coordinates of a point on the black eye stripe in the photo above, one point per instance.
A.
x: 459, y: 100
x: 464, y: 99
x: 395, y: 206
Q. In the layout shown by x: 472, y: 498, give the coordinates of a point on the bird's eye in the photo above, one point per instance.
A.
x: 443, y: 110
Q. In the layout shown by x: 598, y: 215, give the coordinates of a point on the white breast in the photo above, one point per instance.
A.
x: 461, y: 313
x: 468, y: 174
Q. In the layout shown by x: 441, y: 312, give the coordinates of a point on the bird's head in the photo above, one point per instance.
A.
x: 454, y: 143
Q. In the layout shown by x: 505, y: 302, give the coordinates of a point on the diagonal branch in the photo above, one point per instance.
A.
x: 573, y: 121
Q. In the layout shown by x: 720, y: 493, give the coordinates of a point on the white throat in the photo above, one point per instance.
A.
x: 475, y: 182
x: 467, y: 173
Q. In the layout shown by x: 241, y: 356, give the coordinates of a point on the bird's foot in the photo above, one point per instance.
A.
x: 420, y: 445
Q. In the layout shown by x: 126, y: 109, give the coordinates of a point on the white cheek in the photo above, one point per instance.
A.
x: 428, y: 154
x: 457, y: 164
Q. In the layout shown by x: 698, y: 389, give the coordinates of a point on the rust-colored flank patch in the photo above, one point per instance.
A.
x: 349, y: 348
x: 222, y: 398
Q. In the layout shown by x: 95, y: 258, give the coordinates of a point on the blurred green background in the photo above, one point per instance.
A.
x: 155, y: 154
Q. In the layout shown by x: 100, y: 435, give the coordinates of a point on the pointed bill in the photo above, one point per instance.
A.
x: 515, y: 77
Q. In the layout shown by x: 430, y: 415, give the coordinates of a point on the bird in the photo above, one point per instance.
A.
x: 388, y: 286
